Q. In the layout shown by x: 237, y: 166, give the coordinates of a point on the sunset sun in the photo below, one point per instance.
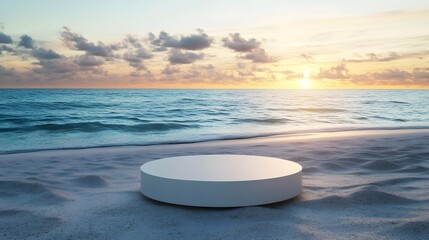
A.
x: 304, y: 83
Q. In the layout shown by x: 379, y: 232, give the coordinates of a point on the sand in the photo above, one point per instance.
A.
x: 356, y: 185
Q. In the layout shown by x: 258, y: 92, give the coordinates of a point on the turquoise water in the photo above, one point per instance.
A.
x: 57, y: 119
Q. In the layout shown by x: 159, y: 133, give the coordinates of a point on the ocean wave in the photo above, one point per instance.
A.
x: 307, y: 109
x: 361, y: 118
x: 16, y: 120
x: 128, y: 118
x: 23, y: 120
x: 216, y: 113
x: 59, y: 105
x: 390, y: 119
x: 319, y: 110
x: 382, y: 102
x: 399, y: 102
x: 263, y: 120
x: 98, y: 126
x: 186, y: 100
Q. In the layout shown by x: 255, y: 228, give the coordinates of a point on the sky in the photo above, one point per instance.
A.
x: 268, y: 44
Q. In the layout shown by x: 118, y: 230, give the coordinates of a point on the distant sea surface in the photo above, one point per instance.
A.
x: 61, y: 119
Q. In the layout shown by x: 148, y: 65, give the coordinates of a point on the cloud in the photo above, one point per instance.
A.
x: 259, y: 55
x: 77, y: 42
x: 192, y: 42
x: 135, y: 59
x: 392, y: 74
x: 337, y: 72
x: 54, y: 72
x: 138, y: 55
x: 391, y: 56
x: 421, y: 73
x: 135, y: 55
x: 26, y: 42
x: 179, y: 57
x: 372, y: 57
x: 89, y: 61
x: 241, y: 65
x: 385, y: 77
x: 391, y: 77
x: 239, y: 44
x: 62, y: 65
x: 291, y: 74
x: 169, y: 70
x: 132, y: 41
x: 252, y: 70
x: 7, y: 49
x: 6, y: 39
x: 341, y: 72
x: 66, y: 65
x: 136, y: 76
x: 251, y: 47
x: 307, y: 57
x: 137, y: 52
x: 7, y: 72
x: 135, y: 62
x: 245, y: 73
x: 41, y: 53
x: 51, y: 62
x: 207, y: 73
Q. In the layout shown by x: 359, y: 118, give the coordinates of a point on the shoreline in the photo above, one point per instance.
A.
x: 304, y: 134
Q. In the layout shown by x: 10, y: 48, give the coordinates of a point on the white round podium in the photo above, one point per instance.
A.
x: 221, y: 180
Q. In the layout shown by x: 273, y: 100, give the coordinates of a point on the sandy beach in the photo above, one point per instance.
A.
x: 356, y: 185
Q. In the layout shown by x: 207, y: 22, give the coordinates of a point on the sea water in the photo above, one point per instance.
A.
x: 32, y: 119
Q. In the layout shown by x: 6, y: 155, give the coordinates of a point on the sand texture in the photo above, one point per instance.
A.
x: 356, y: 185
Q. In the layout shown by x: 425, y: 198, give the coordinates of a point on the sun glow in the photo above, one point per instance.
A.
x: 305, y: 82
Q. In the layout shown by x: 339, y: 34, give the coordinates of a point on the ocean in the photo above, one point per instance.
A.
x: 36, y: 119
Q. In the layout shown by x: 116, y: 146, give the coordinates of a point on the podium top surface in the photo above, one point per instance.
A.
x: 221, y: 168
